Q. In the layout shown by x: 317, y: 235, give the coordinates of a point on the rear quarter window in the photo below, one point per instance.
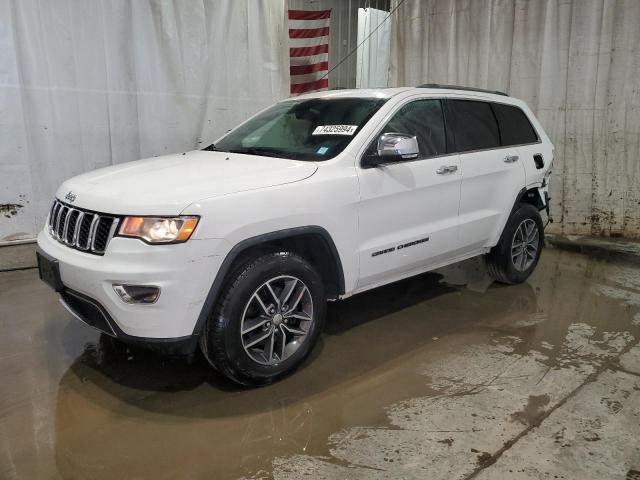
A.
x: 515, y: 127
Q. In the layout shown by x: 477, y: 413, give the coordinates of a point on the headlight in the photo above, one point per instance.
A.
x: 159, y: 229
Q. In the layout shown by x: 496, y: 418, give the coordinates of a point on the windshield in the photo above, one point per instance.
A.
x: 315, y: 129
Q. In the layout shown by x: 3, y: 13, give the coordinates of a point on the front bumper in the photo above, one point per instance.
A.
x: 89, y: 311
x: 184, y: 272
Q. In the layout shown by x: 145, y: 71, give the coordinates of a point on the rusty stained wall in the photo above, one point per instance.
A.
x: 575, y: 62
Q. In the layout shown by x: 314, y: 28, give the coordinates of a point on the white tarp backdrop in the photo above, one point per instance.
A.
x: 577, y: 64
x: 372, y: 58
x: 88, y: 83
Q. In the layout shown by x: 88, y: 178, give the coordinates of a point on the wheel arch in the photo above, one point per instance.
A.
x: 529, y: 195
x: 313, y: 242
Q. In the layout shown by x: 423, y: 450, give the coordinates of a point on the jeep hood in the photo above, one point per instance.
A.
x: 166, y: 185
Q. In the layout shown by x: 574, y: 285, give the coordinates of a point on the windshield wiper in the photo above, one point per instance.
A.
x: 210, y: 148
x: 265, y: 152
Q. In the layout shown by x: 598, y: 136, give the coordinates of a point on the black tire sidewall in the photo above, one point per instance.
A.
x: 502, y: 254
x: 243, y: 367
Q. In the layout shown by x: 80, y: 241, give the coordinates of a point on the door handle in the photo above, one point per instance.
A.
x: 445, y: 169
x: 511, y: 158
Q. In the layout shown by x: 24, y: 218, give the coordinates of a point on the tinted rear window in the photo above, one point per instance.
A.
x: 515, y: 127
x: 475, y: 126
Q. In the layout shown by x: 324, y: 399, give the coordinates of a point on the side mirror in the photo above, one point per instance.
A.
x: 396, y: 145
x: 393, y: 147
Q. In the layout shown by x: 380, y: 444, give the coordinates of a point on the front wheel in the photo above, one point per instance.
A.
x: 517, y: 254
x: 267, y: 320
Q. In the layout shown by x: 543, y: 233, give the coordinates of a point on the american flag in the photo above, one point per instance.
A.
x: 308, y: 50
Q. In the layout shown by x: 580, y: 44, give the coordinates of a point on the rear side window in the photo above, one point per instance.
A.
x: 475, y: 126
x: 515, y: 127
x: 424, y: 119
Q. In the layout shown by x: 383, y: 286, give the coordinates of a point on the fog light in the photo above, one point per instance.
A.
x: 137, y: 293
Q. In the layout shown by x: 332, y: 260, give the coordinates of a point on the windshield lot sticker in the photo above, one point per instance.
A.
x: 335, y: 130
x: 322, y: 150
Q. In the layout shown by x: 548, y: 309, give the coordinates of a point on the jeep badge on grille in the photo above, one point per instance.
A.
x: 70, y: 196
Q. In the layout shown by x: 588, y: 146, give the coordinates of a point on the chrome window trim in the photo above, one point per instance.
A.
x: 501, y: 147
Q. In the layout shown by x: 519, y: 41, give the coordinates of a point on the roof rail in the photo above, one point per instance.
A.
x: 457, y: 87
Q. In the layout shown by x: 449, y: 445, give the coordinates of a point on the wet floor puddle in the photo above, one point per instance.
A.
x: 427, y: 378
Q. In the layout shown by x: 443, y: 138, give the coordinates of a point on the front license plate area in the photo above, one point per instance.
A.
x: 49, y: 271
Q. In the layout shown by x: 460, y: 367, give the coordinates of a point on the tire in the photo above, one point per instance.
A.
x: 230, y: 351
x: 511, y: 269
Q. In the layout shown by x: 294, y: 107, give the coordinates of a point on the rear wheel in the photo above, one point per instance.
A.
x: 267, y: 320
x: 518, y: 252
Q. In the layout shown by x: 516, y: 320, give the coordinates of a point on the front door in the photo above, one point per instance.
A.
x: 408, y: 212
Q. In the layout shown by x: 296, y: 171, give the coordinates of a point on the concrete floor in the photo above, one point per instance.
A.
x: 422, y: 379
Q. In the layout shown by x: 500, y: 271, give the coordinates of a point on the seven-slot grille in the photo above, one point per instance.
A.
x: 81, y: 229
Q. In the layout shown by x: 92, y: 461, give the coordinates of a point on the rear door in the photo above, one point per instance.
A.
x: 492, y: 174
x: 517, y: 131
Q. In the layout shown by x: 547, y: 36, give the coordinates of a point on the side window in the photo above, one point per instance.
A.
x: 515, y: 127
x: 475, y: 126
x: 424, y: 119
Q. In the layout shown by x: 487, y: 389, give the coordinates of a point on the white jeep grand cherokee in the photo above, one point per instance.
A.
x: 237, y: 247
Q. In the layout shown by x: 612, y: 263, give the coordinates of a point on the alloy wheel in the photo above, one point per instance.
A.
x: 524, y: 246
x: 276, y: 319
